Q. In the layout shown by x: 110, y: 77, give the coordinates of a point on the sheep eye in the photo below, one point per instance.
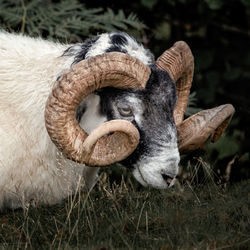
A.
x: 125, y: 111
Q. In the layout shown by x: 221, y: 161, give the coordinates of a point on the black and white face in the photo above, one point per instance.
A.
x: 155, y: 161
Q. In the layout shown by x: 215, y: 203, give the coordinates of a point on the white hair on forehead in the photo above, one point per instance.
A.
x: 100, y: 46
x: 131, y: 47
x: 137, y: 50
x: 133, y: 99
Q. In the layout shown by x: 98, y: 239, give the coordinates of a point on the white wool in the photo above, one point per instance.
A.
x: 100, y: 46
x: 31, y: 168
x: 132, y: 48
x: 137, y: 51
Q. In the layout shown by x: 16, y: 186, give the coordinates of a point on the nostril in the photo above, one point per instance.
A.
x: 167, y: 178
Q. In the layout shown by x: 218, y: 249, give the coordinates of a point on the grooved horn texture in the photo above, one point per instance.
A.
x: 178, y: 61
x: 111, y: 69
x: 119, y: 140
x: 195, y: 130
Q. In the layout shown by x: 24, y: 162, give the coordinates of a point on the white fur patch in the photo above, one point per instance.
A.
x: 148, y: 171
x: 133, y: 48
x: 137, y: 50
x: 91, y: 118
x: 100, y: 46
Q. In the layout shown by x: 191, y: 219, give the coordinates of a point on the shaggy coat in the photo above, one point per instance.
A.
x: 31, y: 167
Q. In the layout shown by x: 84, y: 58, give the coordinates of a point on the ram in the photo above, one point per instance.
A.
x: 66, y: 110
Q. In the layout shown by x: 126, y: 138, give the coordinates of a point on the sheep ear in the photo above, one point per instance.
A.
x: 195, y: 130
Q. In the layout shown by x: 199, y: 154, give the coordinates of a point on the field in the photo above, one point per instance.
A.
x: 195, y: 214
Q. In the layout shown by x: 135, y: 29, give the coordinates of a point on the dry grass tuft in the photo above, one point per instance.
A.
x: 120, y: 214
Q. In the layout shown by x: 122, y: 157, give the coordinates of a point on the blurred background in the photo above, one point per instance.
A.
x: 218, y: 32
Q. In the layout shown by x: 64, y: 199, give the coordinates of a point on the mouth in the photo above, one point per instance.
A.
x: 151, y: 173
x: 157, y: 171
x: 157, y: 180
x: 168, y: 179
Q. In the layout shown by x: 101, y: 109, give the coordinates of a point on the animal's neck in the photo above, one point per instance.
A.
x: 89, y: 112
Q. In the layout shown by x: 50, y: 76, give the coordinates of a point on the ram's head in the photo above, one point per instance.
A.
x: 116, y: 140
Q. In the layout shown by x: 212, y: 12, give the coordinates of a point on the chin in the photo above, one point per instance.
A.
x: 153, y: 181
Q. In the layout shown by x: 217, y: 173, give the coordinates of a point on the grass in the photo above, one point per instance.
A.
x: 195, y: 214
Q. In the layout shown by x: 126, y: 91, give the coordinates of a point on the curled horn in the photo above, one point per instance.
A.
x: 195, y: 130
x: 178, y: 61
x: 112, y: 69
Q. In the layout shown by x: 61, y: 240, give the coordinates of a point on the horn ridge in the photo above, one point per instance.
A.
x: 195, y: 130
x: 178, y: 61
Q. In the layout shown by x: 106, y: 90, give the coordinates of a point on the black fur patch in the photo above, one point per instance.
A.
x: 116, y: 48
x: 107, y: 96
x: 81, y: 54
x: 118, y: 39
